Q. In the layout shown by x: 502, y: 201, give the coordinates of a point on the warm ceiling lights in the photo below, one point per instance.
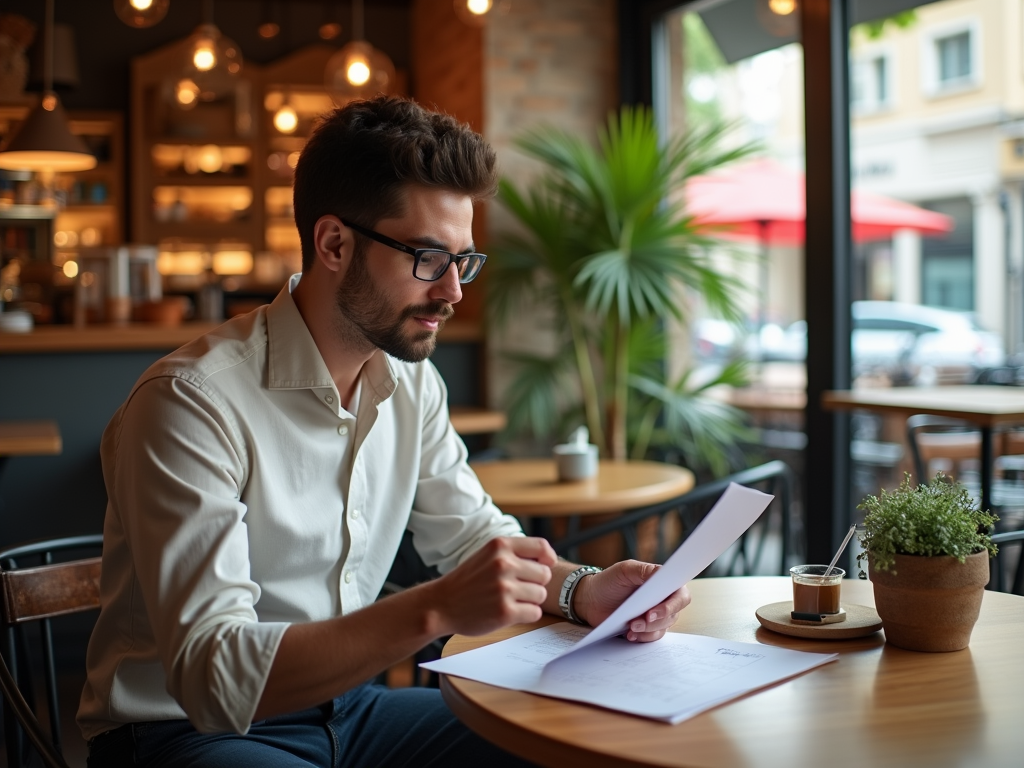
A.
x: 44, y: 142
x: 269, y: 30
x: 141, y: 13
x: 779, y: 17
x: 782, y: 7
x: 212, y: 61
x: 477, y: 12
x: 286, y: 119
x: 358, y: 70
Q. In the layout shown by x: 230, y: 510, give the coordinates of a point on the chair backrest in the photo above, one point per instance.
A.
x: 36, y: 594
x: 1000, y: 565
x: 938, y: 437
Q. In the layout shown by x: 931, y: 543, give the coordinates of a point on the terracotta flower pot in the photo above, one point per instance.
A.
x: 930, y: 603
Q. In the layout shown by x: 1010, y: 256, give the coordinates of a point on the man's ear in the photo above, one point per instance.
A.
x: 333, y: 242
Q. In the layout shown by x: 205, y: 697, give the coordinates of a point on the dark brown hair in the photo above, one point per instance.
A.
x: 360, y: 156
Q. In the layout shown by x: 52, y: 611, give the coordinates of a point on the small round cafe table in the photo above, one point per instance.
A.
x: 530, y: 490
x: 876, y: 706
x: 530, y: 487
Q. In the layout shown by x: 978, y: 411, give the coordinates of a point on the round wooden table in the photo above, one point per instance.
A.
x: 530, y: 487
x: 876, y: 706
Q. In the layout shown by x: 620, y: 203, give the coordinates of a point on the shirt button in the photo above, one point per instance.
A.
x: 348, y: 577
x: 342, y: 430
x: 354, y: 513
x: 329, y: 399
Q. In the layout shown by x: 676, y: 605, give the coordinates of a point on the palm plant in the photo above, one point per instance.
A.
x: 606, y: 246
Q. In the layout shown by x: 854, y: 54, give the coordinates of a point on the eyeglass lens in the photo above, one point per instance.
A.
x: 433, y: 264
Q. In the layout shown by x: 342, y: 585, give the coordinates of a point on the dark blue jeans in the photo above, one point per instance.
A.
x: 370, y: 726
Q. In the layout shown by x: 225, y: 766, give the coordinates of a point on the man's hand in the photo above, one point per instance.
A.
x: 599, y: 595
x: 501, y: 584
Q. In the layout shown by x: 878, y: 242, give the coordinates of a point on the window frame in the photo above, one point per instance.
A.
x: 932, y: 86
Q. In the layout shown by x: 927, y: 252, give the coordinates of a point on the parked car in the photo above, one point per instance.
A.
x: 908, y: 343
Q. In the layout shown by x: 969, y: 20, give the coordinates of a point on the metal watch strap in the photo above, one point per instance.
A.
x: 569, y: 588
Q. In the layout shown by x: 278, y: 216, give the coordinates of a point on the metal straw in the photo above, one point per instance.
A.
x: 849, y: 535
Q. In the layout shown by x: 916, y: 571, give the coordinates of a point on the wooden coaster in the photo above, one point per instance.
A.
x: 860, y: 621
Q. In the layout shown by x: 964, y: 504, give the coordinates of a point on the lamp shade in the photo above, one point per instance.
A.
x: 45, y: 143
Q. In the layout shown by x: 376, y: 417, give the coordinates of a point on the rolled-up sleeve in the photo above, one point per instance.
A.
x: 452, y: 516
x: 176, y: 488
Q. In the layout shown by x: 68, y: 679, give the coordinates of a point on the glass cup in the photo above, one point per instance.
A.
x: 814, y: 592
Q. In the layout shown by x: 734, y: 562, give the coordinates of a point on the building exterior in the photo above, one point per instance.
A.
x: 938, y: 119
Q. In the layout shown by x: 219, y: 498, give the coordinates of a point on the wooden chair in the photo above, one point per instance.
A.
x: 37, y: 594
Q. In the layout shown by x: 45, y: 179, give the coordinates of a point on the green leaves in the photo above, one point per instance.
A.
x: 939, y: 518
x: 602, y: 242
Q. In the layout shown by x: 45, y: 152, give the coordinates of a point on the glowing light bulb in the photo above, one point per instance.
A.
x: 780, y: 7
x: 210, y: 159
x: 479, y: 7
x: 70, y: 268
x: 268, y: 30
x: 49, y: 102
x: 186, y: 92
x: 286, y: 120
x: 358, y: 72
x: 204, y: 58
x: 141, y: 13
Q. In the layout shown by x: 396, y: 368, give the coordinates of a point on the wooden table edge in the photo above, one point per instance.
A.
x: 40, y: 438
x: 837, y: 400
x: 521, y: 741
x: 614, y: 502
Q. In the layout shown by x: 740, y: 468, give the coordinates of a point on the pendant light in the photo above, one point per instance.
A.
x: 476, y: 13
x: 286, y: 119
x: 212, y: 61
x: 358, y: 70
x: 141, y: 13
x: 45, y: 142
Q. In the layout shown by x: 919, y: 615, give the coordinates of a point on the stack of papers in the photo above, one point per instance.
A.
x: 672, y: 679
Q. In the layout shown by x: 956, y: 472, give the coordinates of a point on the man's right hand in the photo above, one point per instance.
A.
x: 501, y: 584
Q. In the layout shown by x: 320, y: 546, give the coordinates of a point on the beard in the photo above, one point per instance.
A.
x: 368, y: 311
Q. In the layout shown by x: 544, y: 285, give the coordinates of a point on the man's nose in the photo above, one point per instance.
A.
x: 447, y: 287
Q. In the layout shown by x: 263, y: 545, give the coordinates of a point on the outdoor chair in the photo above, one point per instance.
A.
x: 954, y: 447
x: 33, y: 588
x: 1000, y: 565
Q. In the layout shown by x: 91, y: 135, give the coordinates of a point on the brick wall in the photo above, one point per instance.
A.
x: 549, y: 62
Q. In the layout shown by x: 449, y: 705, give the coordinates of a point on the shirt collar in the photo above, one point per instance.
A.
x: 295, y: 361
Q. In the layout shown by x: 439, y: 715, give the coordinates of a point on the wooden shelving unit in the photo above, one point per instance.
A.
x: 176, y: 200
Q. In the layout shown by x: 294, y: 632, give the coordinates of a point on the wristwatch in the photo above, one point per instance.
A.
x: 569, y: 587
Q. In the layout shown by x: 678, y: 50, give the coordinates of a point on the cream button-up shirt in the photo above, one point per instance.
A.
x: 243, y: 497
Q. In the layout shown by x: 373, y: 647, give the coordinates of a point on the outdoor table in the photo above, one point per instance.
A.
x: 986, y: 406
x: 876, y: 705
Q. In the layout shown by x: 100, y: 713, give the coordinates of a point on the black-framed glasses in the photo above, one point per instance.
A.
x: 429, y: 264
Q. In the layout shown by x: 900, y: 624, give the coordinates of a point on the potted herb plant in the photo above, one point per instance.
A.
x: 927, y: 548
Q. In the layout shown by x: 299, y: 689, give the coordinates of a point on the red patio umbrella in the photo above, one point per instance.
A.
x: 765, y: 200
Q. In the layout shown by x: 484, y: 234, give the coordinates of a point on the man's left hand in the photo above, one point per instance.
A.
x: 597, y: 596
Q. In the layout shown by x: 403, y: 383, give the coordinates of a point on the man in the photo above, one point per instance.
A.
x: 260, y: 480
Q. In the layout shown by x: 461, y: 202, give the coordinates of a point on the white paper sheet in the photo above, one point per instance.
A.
x: 734, y: 512
x: 671, y: 680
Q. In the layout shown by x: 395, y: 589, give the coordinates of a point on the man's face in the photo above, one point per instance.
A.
x: 380, y: 298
